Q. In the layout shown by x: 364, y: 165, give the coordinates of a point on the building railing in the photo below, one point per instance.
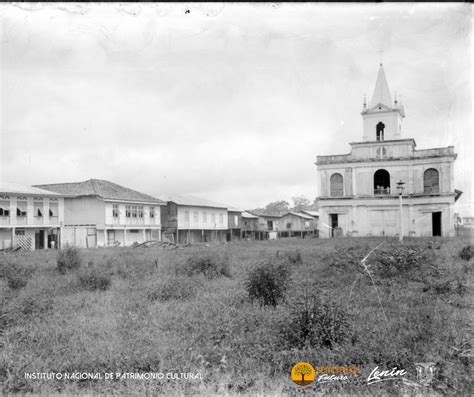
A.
x: 384, y: 191
x: 21, y: 220
x: 4, y: 220
x: 38, y: 220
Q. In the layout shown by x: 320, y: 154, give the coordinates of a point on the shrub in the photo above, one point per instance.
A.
x: 92, y: 280
x: 175, y: 288
x: 208, y: 264
x: 466, y: 253
x: 316, y: 323
x: 68, y: 259
x: 295, y: 257
x: 16, y: 275
x: 399, y: 260
x: 267, y: 283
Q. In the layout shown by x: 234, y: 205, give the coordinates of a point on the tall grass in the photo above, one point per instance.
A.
x: 189, y: 311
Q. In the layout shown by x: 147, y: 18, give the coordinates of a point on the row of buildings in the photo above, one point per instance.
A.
x: 383, y: 187
x: 101, y: 213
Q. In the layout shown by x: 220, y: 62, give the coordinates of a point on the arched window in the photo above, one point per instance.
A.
x: 337, y: 188
x: 380, y: 129
x: 381, y: 182
x: 431, y: 181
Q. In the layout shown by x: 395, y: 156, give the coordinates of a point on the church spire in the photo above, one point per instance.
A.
x: 381, y: 91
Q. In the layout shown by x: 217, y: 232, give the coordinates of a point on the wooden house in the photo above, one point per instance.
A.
x: 30, y: 218
x: 234, y: 222
x: 102, y: 213
x: 189, y: 219
x: 249, y: 225
x: 297, y: 224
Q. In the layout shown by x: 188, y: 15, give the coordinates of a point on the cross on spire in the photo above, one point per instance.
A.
x: 381, y: 51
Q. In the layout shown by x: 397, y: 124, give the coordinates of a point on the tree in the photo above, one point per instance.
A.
x: 277, y: 207
x: 300, y: 203
x: 303, y: 370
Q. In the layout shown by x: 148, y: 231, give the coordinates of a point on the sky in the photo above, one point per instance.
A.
x: 229, y: 102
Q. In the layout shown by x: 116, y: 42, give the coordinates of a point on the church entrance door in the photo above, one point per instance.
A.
x: 383, y: 222
x: 436, y: 223
x: 334, y: 223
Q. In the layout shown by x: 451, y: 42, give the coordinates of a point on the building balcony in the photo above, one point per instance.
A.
x: 53, y: 220
x: 38, y: 220
x: 382, y: 191
x: 21, y: 220
x: 4, y: 220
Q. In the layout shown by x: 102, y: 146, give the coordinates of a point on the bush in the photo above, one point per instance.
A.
x: 316, y: 323
x: 92, y: 280
x: 267, y: 283
x: 295, y: 257
x: 68, y: 259
x: 16, y: 275
x: 175, y: 288
x: 208, y: 264
x: 466, y: 253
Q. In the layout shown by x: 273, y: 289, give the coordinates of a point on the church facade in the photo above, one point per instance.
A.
x: 358, y: 191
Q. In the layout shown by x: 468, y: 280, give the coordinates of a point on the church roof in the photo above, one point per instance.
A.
x: 381, y: 91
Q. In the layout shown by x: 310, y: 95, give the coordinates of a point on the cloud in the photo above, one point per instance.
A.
x: 229, y: 101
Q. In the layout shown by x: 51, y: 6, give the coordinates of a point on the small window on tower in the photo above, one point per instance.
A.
x: 380, y: 130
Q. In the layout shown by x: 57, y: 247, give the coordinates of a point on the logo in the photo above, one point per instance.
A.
x: 381, y: 376
x: 334, y: 373
x: 302, y: 373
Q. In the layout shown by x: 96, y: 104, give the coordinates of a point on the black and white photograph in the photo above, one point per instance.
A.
x: 236, y: 199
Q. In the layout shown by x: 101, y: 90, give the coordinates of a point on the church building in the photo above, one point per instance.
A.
x: 359, y: 191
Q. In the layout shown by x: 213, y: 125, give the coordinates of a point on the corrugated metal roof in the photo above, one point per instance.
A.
x: 310, y: 212
x: 11, y: 187
x: 192, y: 201
x: 299, y: 214
x: 248, y: 215
x: 100, y: 188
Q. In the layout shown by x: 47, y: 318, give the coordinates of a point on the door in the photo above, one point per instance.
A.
x: 384, y: 222
x: 436, y: 223
x: 334, y: 223
x: 39, y: 240
x: 110, y: 237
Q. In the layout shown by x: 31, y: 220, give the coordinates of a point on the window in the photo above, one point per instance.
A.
x: 38, y: 208
x: 221, y: 218
x: 288, y: 225
x: 140, y: 211
x: 431, y: 181
x: 21, y: 208
x: 115, y: 210
x: 134, y: 231
x: 213, y: 218
x: 53, y: 209
x: 380, y: 131
x: 128, y: 211
x: 336, y: 183
x: 186, y: 216
x: 4, y: 208
x: 196, y: 216
x: 270, y: 225
x: 204, y: 217
x: 152, y: 212
x: 134, y: 211
x: 381, y: 182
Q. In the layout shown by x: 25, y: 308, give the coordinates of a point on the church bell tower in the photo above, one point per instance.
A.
x: 382, y: 118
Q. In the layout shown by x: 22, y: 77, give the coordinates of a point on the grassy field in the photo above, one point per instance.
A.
x: 212, y: 310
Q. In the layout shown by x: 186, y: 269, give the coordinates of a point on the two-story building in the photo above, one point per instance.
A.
x: 249, y: 225
x: 234, y: 223
x: 30, y: 218
x: 193, y: 220
x: 102, y: 213
x: 358, y: 191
